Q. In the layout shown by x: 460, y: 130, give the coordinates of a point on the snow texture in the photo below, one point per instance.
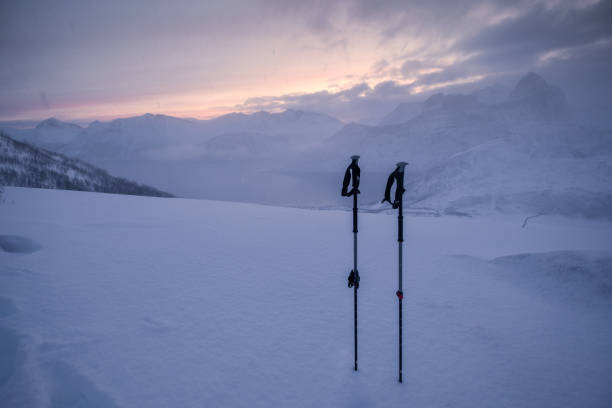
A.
x: 139, y: 301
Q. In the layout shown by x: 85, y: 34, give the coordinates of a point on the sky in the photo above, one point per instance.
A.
x: 356, y: 60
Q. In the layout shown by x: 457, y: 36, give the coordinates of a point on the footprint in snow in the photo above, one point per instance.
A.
x: 7, y: 307
x: 18, y: 244
x: 153, y: 324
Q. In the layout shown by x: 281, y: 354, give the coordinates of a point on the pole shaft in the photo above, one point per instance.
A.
x: 400, y: 340
x: 355, y: 270
x: 400, y: 240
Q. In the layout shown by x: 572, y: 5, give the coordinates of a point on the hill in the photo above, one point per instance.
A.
x: 23, y: 165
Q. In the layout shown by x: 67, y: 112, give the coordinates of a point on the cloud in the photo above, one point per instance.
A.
x: 549, y: 38
x: 556, y: 39
x: 98, y: 53
x: 380, y: 65
x: 541, y: 29
x: 358, y: 103
x: 410, y: 67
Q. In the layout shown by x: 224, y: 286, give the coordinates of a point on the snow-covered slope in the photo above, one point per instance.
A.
x: 492, y: 94
x: 191, y: 303
x: 402, y: 113
x: 24, y: 165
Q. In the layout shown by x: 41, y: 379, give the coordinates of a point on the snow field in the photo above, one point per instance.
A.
x: 134, y: 301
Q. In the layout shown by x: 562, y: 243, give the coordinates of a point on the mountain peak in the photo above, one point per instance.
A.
x: 55, y: 123
x: 535, y: 96
x: 529, y: 84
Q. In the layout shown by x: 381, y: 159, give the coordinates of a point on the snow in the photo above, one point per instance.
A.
x: 135, y: 301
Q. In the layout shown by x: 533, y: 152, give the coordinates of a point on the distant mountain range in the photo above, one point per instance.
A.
x: 514, y: 150
x: 531, y: 99
x: 167, y: 137
x: 23, y: 165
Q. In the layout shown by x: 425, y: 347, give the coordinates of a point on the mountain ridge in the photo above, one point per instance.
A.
x: 23, y: 165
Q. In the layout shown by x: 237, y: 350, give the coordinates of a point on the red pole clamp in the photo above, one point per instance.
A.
x: 400, y: 295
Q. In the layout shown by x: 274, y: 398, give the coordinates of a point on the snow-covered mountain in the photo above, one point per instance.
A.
x: 129, y: 138
x: 264, y: 134
x: 51, y: 134
x: 402, y: 113
x: 531, y: 99
x: 492, y: 94
x: 219, y: 158
x: 310, y: 126
x: 521, y: 155
x: 23, y: 165
x: 161, y: 137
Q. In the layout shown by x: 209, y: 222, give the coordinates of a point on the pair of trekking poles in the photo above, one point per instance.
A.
x: 352, y: 176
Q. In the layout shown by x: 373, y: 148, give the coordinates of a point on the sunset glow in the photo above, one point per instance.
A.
x: 193, y: 59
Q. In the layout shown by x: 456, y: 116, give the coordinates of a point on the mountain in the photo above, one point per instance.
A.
x: 534, y: 98
x: 402, y: 113
x: 492, y: 94
x: 309, y: 126
x: 53, y: 123
x: 189, y: 157
x: 129, y: 138
x: 264, y: 134
x: 519, y: 156
x: 51, y: 134
x: 23, y: 165
x: 161, y: 137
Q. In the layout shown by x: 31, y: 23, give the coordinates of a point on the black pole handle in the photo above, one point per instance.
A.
x: 352, y: 174
x: 397, y: 177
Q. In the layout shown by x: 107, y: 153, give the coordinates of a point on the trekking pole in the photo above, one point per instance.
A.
x: 398, y: 176
x: 352, y: 174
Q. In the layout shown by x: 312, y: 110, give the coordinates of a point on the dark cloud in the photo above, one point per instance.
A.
x: 584, y: 74
x: 519, y: 43
x: 532, y: 40
x: 540, y: 29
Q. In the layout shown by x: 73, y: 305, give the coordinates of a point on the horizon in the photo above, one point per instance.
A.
x: 84, y: 122
x: 350, y: 60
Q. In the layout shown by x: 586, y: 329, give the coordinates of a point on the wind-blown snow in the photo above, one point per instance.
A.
x: 134, y: 301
